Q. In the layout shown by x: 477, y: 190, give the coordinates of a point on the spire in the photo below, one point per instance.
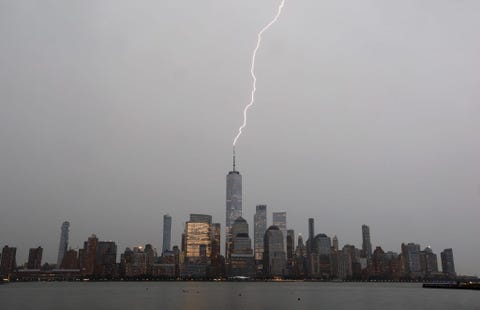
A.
x: 234, y: 158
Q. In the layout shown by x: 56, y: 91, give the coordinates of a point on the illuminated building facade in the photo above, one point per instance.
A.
x: 198, y: 242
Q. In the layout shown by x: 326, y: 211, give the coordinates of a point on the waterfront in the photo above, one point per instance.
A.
x: 231, y: 295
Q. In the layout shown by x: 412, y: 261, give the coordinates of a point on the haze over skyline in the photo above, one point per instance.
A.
x: 114, y: 114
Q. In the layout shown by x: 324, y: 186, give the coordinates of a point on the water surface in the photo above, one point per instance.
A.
x: 231, y: 295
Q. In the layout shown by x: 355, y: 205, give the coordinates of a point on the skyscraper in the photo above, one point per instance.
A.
x: 259, y: 228
x: 35, y: 258
x: 411, y: 259
x: 241, y: 259
x: 280, y: 220
x: 8, y: 262
x: 448, y: 265
x: 105, y: 259
x: 215, y: 236
x: 62, y: 248
x: 167, y: 232
x: 311, y: 234
x: 290, y: 244
x: 335, y: 243
x: 233, y: 205
x: 198, y: 242
x: 366, y: 245
x: 88, y: 255
x: 274, y: 260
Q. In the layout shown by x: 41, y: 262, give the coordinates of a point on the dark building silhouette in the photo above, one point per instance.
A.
x: 105, y: 260
x: 62, y: 248
x: 8, y: 262
x: 70, y: 260
x: 87, y: 256
x: 274, y: 258
x: 35, y: 258
x: 448, y: 265
x: 167, y: 232
x: 366, y: 243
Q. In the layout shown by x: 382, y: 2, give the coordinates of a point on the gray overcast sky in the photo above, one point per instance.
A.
x: 113, y: 113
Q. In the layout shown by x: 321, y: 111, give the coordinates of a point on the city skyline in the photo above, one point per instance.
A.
x: 366, y: 113
x: 199, y: 239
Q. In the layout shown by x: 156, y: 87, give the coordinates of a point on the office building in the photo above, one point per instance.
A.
x: 280, y: 220
x: 233, y: 205
x: 259, y: 228
x: 198, y: 242
x: 63, y: 246
x: 274, y: 258
x: 8, y: 261
x: 366, y: 244
x: 35, y: 258
x: 167, y: 232
x: 448, y: 265
x: 241, y: 259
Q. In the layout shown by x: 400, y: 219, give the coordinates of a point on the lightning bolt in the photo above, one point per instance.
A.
x: 252, y: 70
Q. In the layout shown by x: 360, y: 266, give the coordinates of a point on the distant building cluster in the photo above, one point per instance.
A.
x: 275, y: 253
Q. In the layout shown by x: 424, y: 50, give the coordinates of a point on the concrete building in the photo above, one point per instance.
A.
x: 167, y: 232
x: 63, y: 246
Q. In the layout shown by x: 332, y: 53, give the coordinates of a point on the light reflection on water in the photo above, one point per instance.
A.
x: 229, y: 295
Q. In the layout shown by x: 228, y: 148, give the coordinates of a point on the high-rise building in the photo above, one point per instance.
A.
x: 198, y: 242
x: 411, y: 259
x: 8, y: 262
x: 280, y: 220
x: 215, y: 236
x: 105, y: 260
x: 366, y: 244
x: 35, y: 258
x: 70, y: 260
x: 88, y: 255
x: 233, y: 205
x: 259, y: 228
x: 290, y: 244
x: 335, y: 243
x: 429, y: 261
x: 241, y: 259
x: 274, y: 260
x: 167, y: 232
x: 62, y: 248
x: 311, y: 234
x: 448, y: 265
